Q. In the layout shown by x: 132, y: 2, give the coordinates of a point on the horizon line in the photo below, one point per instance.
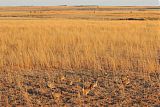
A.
x: 77, y: 5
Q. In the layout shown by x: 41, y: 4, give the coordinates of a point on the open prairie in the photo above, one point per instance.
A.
x: 80, y: 56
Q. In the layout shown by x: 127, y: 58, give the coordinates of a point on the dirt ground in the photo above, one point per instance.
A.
x: 69, y: 89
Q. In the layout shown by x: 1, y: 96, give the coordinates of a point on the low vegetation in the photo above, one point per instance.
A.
x: 86, y: 56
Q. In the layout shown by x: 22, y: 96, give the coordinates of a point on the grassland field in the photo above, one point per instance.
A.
x: 80, y: 56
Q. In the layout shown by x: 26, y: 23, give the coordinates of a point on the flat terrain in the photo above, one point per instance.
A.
x: 32, y: 88
x: 84, y: 56
x: 81, y: 12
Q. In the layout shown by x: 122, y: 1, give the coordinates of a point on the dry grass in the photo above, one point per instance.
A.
x: 78, y: 44
x: 53, y: 56
x: 90, y: 12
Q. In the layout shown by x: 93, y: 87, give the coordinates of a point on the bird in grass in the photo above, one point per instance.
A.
x: 125, y: 80
x: 51, y: 85
x: 62, y: 78
x: 86, y: 91
x: 95, y: 84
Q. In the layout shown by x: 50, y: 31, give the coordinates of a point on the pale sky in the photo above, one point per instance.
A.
x: 79, y: 2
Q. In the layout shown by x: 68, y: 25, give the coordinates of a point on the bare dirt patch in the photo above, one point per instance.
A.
x: 67, y: 88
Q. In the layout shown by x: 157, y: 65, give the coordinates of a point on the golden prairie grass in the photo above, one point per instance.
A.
x: 80, y: 44
x: 86, y: 47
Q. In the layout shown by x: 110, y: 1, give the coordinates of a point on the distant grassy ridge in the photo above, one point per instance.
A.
x: 82, y: 12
